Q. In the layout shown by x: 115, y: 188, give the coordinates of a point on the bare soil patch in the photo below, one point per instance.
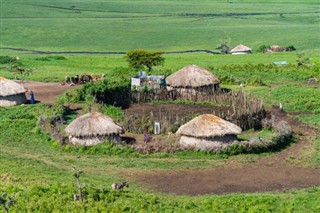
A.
x: 45, y: 92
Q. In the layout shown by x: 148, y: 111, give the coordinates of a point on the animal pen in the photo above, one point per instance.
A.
x: 244, y: 110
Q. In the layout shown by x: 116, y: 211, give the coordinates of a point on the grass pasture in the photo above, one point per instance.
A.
x: 104, y: 26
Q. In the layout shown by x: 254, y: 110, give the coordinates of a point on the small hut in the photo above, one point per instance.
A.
x: 92, y: 129
x: 208, y: 131
x: 224, y: 49
x: 241, y: 49
x: 193, y: 83
x: 11, y: 93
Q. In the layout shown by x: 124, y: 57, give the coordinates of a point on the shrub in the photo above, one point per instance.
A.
x: 115, y: 91
x: 6, y: 59
x: 263, y: 48
x: 49, y: 58
x: 255, y: 81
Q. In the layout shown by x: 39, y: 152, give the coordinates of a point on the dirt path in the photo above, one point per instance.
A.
x: 265, y: 174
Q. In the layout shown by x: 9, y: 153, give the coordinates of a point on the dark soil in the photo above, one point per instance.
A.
x: 175, y: 109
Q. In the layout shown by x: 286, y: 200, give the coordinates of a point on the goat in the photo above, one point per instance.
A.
x: 119, y: 186
x: 76, y: 197
x: 312, y: 80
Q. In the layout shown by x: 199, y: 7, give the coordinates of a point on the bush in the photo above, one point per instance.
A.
x: 49, y: 58
x: 6, y: 59
x: 115, y: 91
x: 255, y: 81
x: 263, y: 48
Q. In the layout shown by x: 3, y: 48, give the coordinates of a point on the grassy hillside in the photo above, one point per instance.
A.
x: 165, y: 25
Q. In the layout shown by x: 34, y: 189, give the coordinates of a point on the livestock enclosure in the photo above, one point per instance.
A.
x: 236, y: 107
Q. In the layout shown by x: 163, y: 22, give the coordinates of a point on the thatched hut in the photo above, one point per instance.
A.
x: 92, y: 129
x: 223, y: 48
x: 11, y: 93
x: 241, y: 49
x: 208, y: 131
x: 193, y: 82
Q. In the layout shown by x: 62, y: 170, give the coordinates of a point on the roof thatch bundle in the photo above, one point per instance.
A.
x: 91, y: 129
x: 208, y: 131
x: 11, y: 93
x: 241, y: 49
x: 192, y: 76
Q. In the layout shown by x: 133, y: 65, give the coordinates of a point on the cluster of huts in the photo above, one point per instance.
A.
x: 239, y: 49
x: 205, y: 131
x: 189, y: 82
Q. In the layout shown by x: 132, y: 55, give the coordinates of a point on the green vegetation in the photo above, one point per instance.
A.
x: 140, y: 58
x: 123, y: 25
x: 58, y: 198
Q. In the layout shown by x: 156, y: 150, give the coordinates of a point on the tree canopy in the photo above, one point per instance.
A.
x: 140, y: 58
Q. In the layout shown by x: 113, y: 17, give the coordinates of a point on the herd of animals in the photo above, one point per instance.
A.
x: 81, y: 79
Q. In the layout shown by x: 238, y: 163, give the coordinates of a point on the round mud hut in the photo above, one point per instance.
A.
x: 241, y: 49
x: 11, y: 93
x: 192, y: 83
x: 208, y: 132
x: 92, y: 129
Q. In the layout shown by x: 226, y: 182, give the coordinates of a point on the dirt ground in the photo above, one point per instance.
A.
x: 45, y: 92
x: 265, y: 174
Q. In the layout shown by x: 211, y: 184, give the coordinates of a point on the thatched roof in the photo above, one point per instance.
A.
x: 192, y: 76
x: 8, y: 87
x: 208, y: 125
x: 93, y: 124
x: 241, y: 48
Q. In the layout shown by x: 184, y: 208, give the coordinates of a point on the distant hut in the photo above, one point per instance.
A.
x: 193, y: 83
x: 208, y: 131
x: 223, y: 48
x: 241, y: 49
x: 11, y: 93
x: 92, y: 129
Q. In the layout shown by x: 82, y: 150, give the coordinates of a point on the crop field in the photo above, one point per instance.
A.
x: 57, y: 38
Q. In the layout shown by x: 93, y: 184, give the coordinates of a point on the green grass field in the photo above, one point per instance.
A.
x: 32, y: 164
x: 157, y: 25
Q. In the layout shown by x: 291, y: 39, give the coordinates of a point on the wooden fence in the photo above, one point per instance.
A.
x: 244, y: 110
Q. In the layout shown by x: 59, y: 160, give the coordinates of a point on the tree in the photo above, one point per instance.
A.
x: 140, y: 58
